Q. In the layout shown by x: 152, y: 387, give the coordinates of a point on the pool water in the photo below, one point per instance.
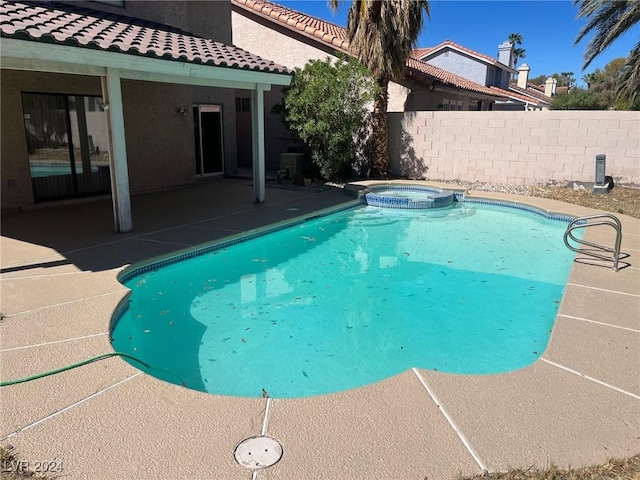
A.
x: 348, y: 299
x: 409, y: 197
x: 410, y: 194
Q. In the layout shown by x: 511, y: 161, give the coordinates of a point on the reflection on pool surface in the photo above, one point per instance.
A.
x: 344, y: 300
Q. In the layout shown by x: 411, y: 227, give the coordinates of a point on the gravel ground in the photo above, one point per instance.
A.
x: 624, y: 199
x: 621, y: 199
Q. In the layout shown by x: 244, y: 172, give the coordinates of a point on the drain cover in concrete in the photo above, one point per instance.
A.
x: 258, y: 452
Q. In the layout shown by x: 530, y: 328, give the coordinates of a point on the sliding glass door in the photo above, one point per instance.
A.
x: 68, y: 146
x: 208, y: 125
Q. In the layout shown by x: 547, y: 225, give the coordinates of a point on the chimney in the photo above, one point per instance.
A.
x: 523, y: 75
x: 550, y: 87
x: 505, y: 54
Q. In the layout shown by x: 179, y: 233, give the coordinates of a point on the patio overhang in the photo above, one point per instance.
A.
x: 112, y: 67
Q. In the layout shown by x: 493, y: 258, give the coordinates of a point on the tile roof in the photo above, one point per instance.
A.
x: 451, y: 79
x: 537, y: 87
x: 422, y: 52
x: 532, y: 92
x: 66, y: 24
x: 327, y: 32
x: 336, y: 36
x: 520, y: 97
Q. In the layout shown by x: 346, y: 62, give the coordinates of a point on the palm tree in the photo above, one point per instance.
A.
x: 566, y: 78
x: 516, y: 39
x: 629, y: 83
x: 382, y: 33
x: 608, y: 20
x: 518, y: 53
x: 590, y: 79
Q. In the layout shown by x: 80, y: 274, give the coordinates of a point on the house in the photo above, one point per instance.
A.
x: 119, y: 97
x: 491, y: 72
x: 293, y: 38
x: 472, y: 65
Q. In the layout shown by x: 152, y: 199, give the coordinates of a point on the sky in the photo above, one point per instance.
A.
x: 548, y: 28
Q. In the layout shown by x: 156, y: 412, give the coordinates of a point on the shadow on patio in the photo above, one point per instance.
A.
x: 68, y: 236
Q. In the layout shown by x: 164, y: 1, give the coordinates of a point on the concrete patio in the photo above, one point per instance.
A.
x: 577, y: 405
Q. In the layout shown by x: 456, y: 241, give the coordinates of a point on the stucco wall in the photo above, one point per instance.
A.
x: 14, y: 167
x: 459, y: 64
x: 199, y: 17
x: 421, y: 100
x: 275, y: 43
x: 503, y: 78
x: 397, y: 97
x: 293, y: 50
x: 515, y: 147
x: 161, y: 148
x: 160, y: 142
x: 286, y: 48
x: 277, y: 138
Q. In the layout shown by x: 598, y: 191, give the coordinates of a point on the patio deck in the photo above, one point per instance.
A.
x: 577, y: 405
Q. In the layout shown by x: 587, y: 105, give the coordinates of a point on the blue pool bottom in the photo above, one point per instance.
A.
x: 348, y: 299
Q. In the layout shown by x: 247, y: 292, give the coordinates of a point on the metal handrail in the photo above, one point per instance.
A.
x: 583, y: 222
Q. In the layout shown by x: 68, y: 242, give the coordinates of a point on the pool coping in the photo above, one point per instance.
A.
x: 570, y: 407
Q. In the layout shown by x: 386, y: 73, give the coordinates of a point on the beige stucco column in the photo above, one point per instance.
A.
x: 257, y: 132
x: 112, y: 97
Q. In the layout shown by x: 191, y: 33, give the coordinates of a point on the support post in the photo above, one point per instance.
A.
x: 257, y: 132
x: 112, y: 98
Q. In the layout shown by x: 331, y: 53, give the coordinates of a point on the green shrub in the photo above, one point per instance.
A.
x: 327, y: 106
x: 576, y: 99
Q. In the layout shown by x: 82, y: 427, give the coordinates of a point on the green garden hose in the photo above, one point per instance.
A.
x: 75, y: 365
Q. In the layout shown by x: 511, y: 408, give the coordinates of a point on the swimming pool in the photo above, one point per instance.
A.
x: 351, y: 298
x: 407, y: 196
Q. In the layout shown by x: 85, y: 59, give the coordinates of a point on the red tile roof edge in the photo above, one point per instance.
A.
x: 520, y: 97
x: 449, y: 78
x: 327, y: 32
x: 421, y: 52
x: 72, y: 25
x: 294, y: 20
x: 539, y: 88
x: 531, y: 92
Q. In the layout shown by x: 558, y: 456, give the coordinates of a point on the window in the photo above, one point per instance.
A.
x: 491, y: 76
x: 243, y: 104
x: 68, y: 145
x: 451, y: 105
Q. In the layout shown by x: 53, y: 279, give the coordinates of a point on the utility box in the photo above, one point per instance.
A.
x: 293, y: 163
x: 601, y: 163
x: 601, y: 185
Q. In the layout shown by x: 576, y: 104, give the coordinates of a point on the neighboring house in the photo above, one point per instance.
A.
x: 490, y: 72
x: 474, y: 66
x: 293, y: 38
x: 119, y: 97
x: 525, y: 96
x: 434, y: 88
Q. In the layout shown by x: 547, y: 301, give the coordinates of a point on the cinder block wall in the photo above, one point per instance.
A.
x: 515, y: 147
